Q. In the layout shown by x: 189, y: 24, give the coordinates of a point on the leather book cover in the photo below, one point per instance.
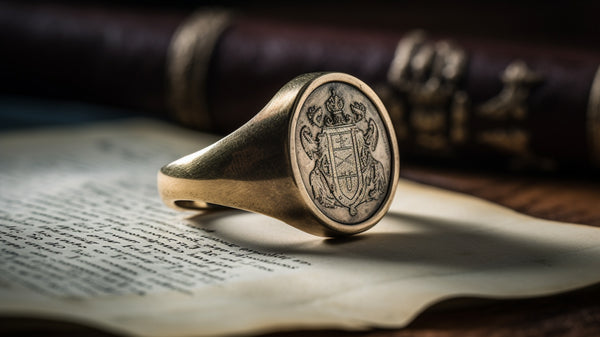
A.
x: 451, y: 98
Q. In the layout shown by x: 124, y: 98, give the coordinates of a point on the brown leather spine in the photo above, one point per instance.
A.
x: 544, y: 124
x: 107, y: 55
x: 469, y: 100
x: 256, y: 57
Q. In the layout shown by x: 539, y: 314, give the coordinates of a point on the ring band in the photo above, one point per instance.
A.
x: 321, y: 156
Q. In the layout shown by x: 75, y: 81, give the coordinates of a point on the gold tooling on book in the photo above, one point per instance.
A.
x: 428, y: 107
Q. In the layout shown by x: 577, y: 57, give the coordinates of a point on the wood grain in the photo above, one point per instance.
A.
x: 559, y: 198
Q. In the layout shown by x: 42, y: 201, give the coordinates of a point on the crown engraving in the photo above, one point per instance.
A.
x: 345, y: 173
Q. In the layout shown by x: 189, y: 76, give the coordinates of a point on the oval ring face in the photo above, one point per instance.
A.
x: 343, y: 152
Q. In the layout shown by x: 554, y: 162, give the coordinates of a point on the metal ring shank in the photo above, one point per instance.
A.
x: 175, y: 192
x: 255, y: 168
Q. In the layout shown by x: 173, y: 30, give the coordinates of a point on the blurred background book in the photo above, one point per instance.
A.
x: 506, y: 85
x: 476, y: 91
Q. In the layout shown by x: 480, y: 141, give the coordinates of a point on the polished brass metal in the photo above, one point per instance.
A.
x: 321, y: 156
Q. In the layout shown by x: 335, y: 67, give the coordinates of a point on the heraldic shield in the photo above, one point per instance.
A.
x: 345, y: 173
x: 346, y: 177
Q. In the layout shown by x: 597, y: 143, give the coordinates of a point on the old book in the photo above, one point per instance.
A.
x: 474, y: 99
x: 85, y: 239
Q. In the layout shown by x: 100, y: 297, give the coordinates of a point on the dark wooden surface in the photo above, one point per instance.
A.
x: 573, y: 314
x: 569, y: 197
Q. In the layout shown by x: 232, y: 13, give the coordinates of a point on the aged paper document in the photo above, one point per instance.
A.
x: 85, y: 238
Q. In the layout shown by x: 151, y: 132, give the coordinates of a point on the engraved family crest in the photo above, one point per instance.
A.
x: 345, y: 173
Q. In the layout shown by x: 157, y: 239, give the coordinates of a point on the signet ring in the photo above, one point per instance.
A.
x: 321, y: 156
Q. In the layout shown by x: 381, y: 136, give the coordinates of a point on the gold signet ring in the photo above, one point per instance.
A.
x: 321, y: 156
